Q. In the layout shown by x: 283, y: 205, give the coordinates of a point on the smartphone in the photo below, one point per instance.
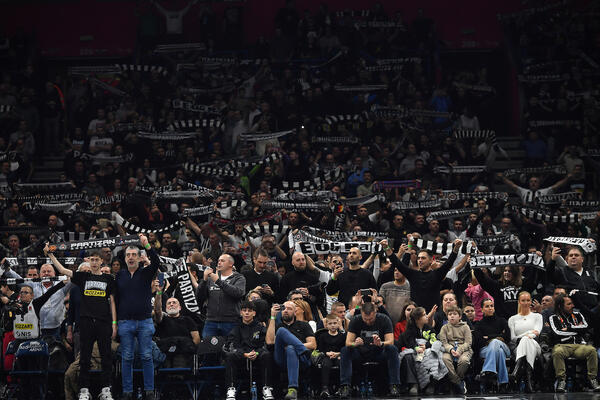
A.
x: 366, y: 295
x: 161, y: 279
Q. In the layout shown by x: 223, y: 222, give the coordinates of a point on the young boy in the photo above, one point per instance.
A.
x: 456, y: 338
x: 329, y: 343
x: 247, y: 341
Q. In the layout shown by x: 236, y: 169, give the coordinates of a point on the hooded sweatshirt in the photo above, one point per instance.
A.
x: 459, y: 334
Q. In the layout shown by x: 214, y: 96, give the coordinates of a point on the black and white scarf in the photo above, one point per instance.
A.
x: 50, y: 198
x: 449, y: 214
x: 131, y: 127
x: 583, y: 203
x: 491, y: 261
x: 185, y: 286
x: 197, y: 211
x: 588, y: 245
x: 494, y: 240
x: 392, y: 61
x: 337, y: 247
x: 539, y: 216
x: 168, y: 136
x: 413, y: 183
x: 541, y: 78
x: 454, y: 196
x: 551, y: 169
x: 414, y: 205
x: 194, y: 124
x: 360, y: 88
x: 292, y: 205
x: 341, y: 118
x: 259, y: 136
x: 247, y: 221
x: 18, y: 281
x: 94, y: 70
x: 319, y: 195
x: 247, y: 164
x: 104, y: 159
x: 307, y: 185
x: 558, y: 198
x: 24, y: 230
x: 475, y: 134
x: 16, y: 261
x: 210, y: 171
x: 176, y: 48
x: 67, y: 208
x: 357, y: 201
x: 385, y: 67
x: 475, y: 88
x: 4, y: 108
x: 444, y: 248
x: 231, y: 203
x: 105, y: 200
x: 80, y: 236
x: 335, y: 139
x: 96, y: 243
x: 345, y: 236
x: 142, y: 68
x: 460, y: 169
x: 189, y: 106
x: 213, y: 192
x: 182, y: 194
x: 256, y: 229
x: 43, y: 187
x: 557, y: 122
x: 134, y: 228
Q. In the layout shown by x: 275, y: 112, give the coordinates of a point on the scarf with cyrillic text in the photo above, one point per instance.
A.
x: 588, y: 245
x: 490, y: 260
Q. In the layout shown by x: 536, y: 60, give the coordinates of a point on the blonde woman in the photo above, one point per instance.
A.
x: 525, y: 328
x: 303, y: 313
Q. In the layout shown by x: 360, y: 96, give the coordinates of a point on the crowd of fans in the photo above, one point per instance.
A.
x: 344, y: 127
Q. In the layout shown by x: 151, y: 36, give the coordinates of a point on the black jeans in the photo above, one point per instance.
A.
x: 262, y: 364
x: 326, y: 364
x: 94, y: 330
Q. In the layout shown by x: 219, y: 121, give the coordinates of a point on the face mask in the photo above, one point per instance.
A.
x: 172, y: 311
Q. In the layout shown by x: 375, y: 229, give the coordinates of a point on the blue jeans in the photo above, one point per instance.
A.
x: 290, y: 352
x: 495, y: 354
x: 215, y: 328
x: 388, y: 353
x: 128, y: 331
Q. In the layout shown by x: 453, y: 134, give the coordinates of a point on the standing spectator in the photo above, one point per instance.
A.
x: 349, y: 281
x: 96, y: 310
x: 396, y: 295
x: 530, y: 196
x: 134, y: 311
x: 223, y: 292
x: 425, y: 281
x: 260, y: 279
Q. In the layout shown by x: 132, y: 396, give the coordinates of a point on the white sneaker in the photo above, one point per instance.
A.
x: 231, y: 393
x: 105, y: 394
x: 267, y: 393
x: 84, y: 394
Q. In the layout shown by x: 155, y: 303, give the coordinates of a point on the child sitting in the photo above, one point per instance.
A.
x: 457, y: 341
x: 329, y: 344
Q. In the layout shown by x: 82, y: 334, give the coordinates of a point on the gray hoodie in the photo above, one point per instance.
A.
x: 223, y: 297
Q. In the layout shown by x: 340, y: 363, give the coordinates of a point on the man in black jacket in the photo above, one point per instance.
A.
x: 349, y: 280
x: 300, y: 278
x: 425, y: 282
x: 260, y: 279
x: 247, y: 343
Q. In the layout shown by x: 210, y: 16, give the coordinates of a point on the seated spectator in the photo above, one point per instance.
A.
x: 330, y: 342
x: 457, y: 341
x: 370, y: 337
x: 400, y: 326
x: 491, y: 336
x: 441, y: 318
x: 525, y: 328
x: 293, y: 340
x: 568, y: 330
x: 246, y: 342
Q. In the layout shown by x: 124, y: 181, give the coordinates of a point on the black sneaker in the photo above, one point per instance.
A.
x: 345, y: 391
x: 594, y: 385
x: 325, y: 393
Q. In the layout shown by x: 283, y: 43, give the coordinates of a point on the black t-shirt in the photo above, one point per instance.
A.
x: 327, y: 342
x: 175, y: 326
x: 95, y: 294
x: 300, y: 329
x: 380, y: 327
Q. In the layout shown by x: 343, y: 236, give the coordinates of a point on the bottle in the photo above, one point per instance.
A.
x: 455, y: 348
x: 569, y: 384
x: 254, y: 391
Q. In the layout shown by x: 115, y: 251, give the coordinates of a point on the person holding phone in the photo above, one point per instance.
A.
x: 347, y: 281
x: 260, y: 278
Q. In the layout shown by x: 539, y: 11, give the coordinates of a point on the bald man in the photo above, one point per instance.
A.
x: 298, y: 278
x: 223, y: 292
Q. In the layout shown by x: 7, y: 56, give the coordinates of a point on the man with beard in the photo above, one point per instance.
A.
x: 294, y: 341
x: 350, y: 280
x: 260, y: 278
x: 171, y: 326
x: 299, y: 278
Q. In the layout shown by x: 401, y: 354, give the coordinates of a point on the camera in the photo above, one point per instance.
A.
x: 15, y: 308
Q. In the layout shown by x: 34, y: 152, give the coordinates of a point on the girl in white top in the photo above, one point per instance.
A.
x: 526, y: 326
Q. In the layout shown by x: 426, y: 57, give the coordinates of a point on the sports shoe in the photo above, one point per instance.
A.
x: 84, y: 394
x: 325, y: 393
x: 345, y: 391
x: 230, y: 393
x: 267, y: 393
x: 594, y: 385
x: 394, y: 390
x: 292, y: 394
x: 561, y: 385
x: 105, y: 394
x: 414, y: 390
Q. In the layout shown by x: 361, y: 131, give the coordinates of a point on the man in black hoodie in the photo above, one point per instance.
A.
x: 247, y: 342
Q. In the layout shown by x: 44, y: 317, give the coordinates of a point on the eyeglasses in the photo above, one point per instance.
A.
x: 25, y: 292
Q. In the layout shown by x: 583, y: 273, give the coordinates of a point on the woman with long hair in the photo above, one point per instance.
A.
x: 404, y: 317
x: 303, y: 313
x: 525, y: 328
